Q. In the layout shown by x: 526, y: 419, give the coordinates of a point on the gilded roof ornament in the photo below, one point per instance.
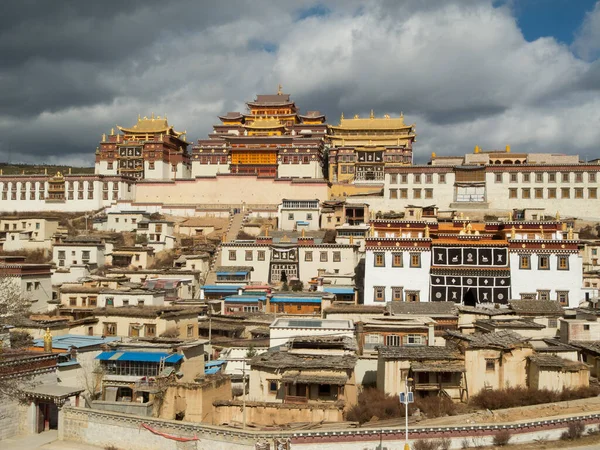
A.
x: 387, y: 116
x: 356, y: 116
x: 557, y: 216
x: 513, y: 232
x: 47, y: 340
x: 341, y: 118
x: 279, y: 89
x: 112, y: 131
x: 570, y: 233
x: 372, y: 116
x: 427, y: 230
x: 103, y: 137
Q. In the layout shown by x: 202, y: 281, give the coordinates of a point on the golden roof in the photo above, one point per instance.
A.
x: 265, y: 123
x: 372, y: 123
x: 151, y: 125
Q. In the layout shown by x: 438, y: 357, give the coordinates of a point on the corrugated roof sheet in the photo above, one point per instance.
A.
x: 296, y: 300
x: 222, y: 287
x: 171, y: 358
x: 68, y: 341
x: 339, y: 290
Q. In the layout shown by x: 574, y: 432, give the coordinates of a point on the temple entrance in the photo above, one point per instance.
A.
x: 469, y: 298
x: 47, y: 417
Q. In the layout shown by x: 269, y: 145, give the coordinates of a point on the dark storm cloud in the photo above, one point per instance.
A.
x: 71, y: 70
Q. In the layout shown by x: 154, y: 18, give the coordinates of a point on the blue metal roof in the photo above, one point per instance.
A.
x: 244, y: 298
x: 73, y: 362
x: 339, y: 290
x: 215, y: 363
x: 222, y: 287
x: 296, y: 300
x: 302, y: 222
x: 212, y: 370
x: 68, y: 341
x: 232, y: 273
x: 171, y: 358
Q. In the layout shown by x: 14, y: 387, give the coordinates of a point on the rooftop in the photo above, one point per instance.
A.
x: 419, y: 353
x: 68, y: 341
x: 509, y: 323
x: 556, y: 362
x: 314, y: 323
x: 537, y: 307
x: 422, y: 308
x: 286, y: 360
x: 503, y: 339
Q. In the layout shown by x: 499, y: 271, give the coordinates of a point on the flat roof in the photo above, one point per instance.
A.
x: 314, y: 323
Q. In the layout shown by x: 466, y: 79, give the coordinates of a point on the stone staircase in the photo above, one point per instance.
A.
x: 236, y: 221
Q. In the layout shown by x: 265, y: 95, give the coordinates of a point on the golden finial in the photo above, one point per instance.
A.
x: 427, y: 230
x: 461, y: 215
x: 372, y: 116
x: 513, y: 232
x: 267, y: 231
x: 112, y: 131
x: 508, y: 149
x: 285, y: 238
x: 351, y: 239
x: 570, y: 233
x: 161, y: 136
x: 341, y: 118
x: 433, y: 155
x: 563, y: 226
x: 356, y: 116
x: 139, y: 117
x: 279, y: 88
x: 69, y: 171
x: 303, y: 232
x: 387, y: 116
x: 510, y: 215
x: 401, y: 115
x: 23, y: 172
x: 476, y: 149
x: 152, y: 116
x: 557, y: 216
x: 45, y: 171
x: 48, y: 341
x: 223, y: 238
x: 103, y: 137
x: 118, y: 138
x: 372, y: 230
x: 469, y: 228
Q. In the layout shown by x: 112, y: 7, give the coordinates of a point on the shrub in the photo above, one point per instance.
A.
x: 465, y: 443
x: 574, y: 431
x: 426, y: 444
x: 111, y: 447
x: 501, y: 438
x: 373, y: 403
x: 445, y: 443
x: 521, y: 396
x: 436, y: 406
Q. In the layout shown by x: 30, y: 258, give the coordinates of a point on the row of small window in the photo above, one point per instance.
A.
x: 397, y: 294
x: 538, y: 177
x: 24, y: 225
x: 416, y: 193
x: 305, y: 159
x: 379, y: 259
x: 394, y: 340
x: 308, y: 256
x: 544, y: 262
x: 592, y: 193
x: 291, y: 216
x: 417, y: 178
x: 544, y: 294
x: 31, y: 285
x: 85, y: 254
x: 85, y: 301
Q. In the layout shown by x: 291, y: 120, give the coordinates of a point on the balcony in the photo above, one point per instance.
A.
x: 295, y: 399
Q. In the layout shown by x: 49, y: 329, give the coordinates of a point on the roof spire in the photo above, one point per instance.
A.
x: 372, y: 116
x: 279, y: 88
x: 152, y: 116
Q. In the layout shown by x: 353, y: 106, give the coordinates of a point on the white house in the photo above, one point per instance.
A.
x: 27, y: 233
x: 159, y: 233
x: 33, y: 280
x: 284, y: 329
x: 69, y: 254
x: 124, y: 220
x: 298, y: 215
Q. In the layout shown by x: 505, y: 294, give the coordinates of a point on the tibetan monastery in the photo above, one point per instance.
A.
x: 362, y: 148
x: 151, y: 149
x: 272, y: 139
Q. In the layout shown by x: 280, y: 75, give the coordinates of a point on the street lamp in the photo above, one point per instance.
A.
x: 406, y: 397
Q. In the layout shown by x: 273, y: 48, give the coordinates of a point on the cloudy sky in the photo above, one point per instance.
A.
x: 466, y: 72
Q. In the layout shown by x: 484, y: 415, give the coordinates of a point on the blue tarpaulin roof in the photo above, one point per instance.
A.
x: 232, y: 273
x: 301, y: 222
x: 212, y: 370
x: 171, y: 358
x: 67, y: 341
x: 296, y: 300
x: 339, y: 290
x: 222, y: 287
x: 215, y: 363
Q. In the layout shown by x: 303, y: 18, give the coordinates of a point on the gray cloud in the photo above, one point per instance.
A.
x: 460, y: 70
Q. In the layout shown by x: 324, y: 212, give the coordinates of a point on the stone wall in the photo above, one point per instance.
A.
x: 262, y: 413
x: 130, y: 432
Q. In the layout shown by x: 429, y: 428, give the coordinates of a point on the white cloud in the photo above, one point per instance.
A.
x: 587, y: 41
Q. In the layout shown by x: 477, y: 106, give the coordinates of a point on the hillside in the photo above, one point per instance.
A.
x: 36, y: 169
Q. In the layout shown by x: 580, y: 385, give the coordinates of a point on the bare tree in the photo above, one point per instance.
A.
x: 14, y: 306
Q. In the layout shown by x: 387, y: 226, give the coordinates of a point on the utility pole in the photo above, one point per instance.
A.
x: 407, y: 399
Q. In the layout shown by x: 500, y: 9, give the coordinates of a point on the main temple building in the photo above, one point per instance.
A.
x: 270, y: 139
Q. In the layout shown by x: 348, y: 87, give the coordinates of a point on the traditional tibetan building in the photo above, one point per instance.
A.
x: 472, y: 263
x: 362, y: 148
x: 271, y: 139
x: 150, y: 149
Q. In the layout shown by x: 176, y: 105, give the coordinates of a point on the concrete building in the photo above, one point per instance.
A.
x: 32, y: 281
x: 296, y: 215
x: 120, y: 221
x: 77, y: 252
x: 479, y: 182
x: 27, y: 233
x: 281, y: 330
x: 299, y: 256
x: 471, y: 262
x: 64, y: 192
x: 158, y: 233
